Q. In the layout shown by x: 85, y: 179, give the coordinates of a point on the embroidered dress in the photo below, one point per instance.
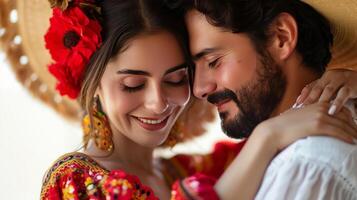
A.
x: 77, y: 176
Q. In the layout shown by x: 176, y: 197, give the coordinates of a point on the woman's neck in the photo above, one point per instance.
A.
x: 134, y: 159
x: 127, y: 155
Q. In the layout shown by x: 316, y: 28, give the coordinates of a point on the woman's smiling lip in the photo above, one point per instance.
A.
x: 151, y: 118
x: 152, y: 124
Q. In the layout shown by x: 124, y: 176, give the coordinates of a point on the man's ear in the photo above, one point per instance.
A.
x: 283, y: 36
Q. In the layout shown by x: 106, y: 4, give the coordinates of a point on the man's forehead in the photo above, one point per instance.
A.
x: 202, y: 34
x: 206, y: 39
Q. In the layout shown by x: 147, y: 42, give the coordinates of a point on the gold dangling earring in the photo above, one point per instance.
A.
x: 99, y: 128
x: 175, y: 135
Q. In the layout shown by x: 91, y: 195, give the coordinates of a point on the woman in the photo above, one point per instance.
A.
x: 134, y: 88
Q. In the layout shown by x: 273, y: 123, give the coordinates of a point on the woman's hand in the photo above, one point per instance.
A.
x: 311, y: 120
x: 337, y: 85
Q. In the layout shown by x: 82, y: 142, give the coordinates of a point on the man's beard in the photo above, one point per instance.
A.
x: 256, y: 100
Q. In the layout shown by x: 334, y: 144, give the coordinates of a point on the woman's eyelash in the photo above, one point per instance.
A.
x: 140, y: 87
x: 132, y: 89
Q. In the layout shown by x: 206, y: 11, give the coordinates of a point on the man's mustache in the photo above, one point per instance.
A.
x: 217, y: 97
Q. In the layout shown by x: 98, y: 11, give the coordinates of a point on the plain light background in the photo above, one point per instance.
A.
x: 32, y: 136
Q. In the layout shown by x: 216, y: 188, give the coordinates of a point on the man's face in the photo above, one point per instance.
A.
x: 244, y: 85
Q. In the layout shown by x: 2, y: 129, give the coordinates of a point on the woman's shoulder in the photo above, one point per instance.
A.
x: 74, y: 161
x: 76, y: 166
x: 76, y: 175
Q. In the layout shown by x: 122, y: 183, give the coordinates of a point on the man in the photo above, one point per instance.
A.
x: 252, y: 60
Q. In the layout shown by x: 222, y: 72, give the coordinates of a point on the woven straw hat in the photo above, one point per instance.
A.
x: 342, y: 15
x: 23, y: 24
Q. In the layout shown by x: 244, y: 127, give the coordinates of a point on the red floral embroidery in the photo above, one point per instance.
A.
x: 71, y: 40
x: 53, y: 193
x: 118, y: 184
x: 127, y: 187
x: 80, y: 184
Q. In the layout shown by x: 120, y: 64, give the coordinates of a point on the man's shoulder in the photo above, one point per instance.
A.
x: 321, y: 148
x: 312, y: 168
x: 324, y: 152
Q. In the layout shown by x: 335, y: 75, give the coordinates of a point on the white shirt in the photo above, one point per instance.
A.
x: 314, y: 168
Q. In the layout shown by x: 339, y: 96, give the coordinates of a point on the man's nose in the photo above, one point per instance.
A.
x: 204, y: 83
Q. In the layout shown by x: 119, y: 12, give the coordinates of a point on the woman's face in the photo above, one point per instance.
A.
x: 145, y: 88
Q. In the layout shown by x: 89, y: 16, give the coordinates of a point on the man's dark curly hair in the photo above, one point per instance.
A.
x: 254, y: 17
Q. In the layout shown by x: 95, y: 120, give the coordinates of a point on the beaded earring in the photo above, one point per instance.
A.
x: 175, y: 135
x: 99, y: 128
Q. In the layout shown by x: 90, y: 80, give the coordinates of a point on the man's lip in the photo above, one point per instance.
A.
x: 219, y: 104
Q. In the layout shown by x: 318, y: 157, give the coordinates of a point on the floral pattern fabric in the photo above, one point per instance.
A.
x: 76, y: 176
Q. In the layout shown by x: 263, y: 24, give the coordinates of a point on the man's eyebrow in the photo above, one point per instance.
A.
x: 204, y: 52
x: 133, y: 72
x: 181, y: 66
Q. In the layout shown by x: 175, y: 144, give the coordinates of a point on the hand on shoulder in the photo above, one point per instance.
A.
x: 311, y: 120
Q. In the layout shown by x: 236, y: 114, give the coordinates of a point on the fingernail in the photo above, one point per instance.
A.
x: 300, y: 105
x: 298, y: 99
x: 332, y: 109
x: 294, y: 106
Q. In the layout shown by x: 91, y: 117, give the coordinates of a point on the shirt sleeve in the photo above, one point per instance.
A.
x: 297, y: 177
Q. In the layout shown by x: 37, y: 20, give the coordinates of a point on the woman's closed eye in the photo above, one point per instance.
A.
x: 132, y: 85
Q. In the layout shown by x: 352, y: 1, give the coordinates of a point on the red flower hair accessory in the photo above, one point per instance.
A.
x: 71, y: 40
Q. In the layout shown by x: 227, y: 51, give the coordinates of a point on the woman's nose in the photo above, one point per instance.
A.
x: 157, y: 101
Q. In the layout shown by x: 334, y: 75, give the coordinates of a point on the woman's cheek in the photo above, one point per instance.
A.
x: 130, y: 101
x: 122, y: 102
x: 181, y: 96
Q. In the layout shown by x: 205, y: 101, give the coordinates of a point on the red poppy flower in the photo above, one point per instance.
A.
x: 71, y: 40
x: 72, y: 31
x: 67, y: 84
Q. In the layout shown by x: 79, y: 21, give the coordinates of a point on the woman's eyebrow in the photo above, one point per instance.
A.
x: 133, y: 72
x: 140, y: 72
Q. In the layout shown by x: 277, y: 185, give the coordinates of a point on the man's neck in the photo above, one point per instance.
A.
x: 297, y: 77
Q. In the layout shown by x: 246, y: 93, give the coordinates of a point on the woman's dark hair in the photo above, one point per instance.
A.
x: 254, y: 17
x: 121, y: 21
